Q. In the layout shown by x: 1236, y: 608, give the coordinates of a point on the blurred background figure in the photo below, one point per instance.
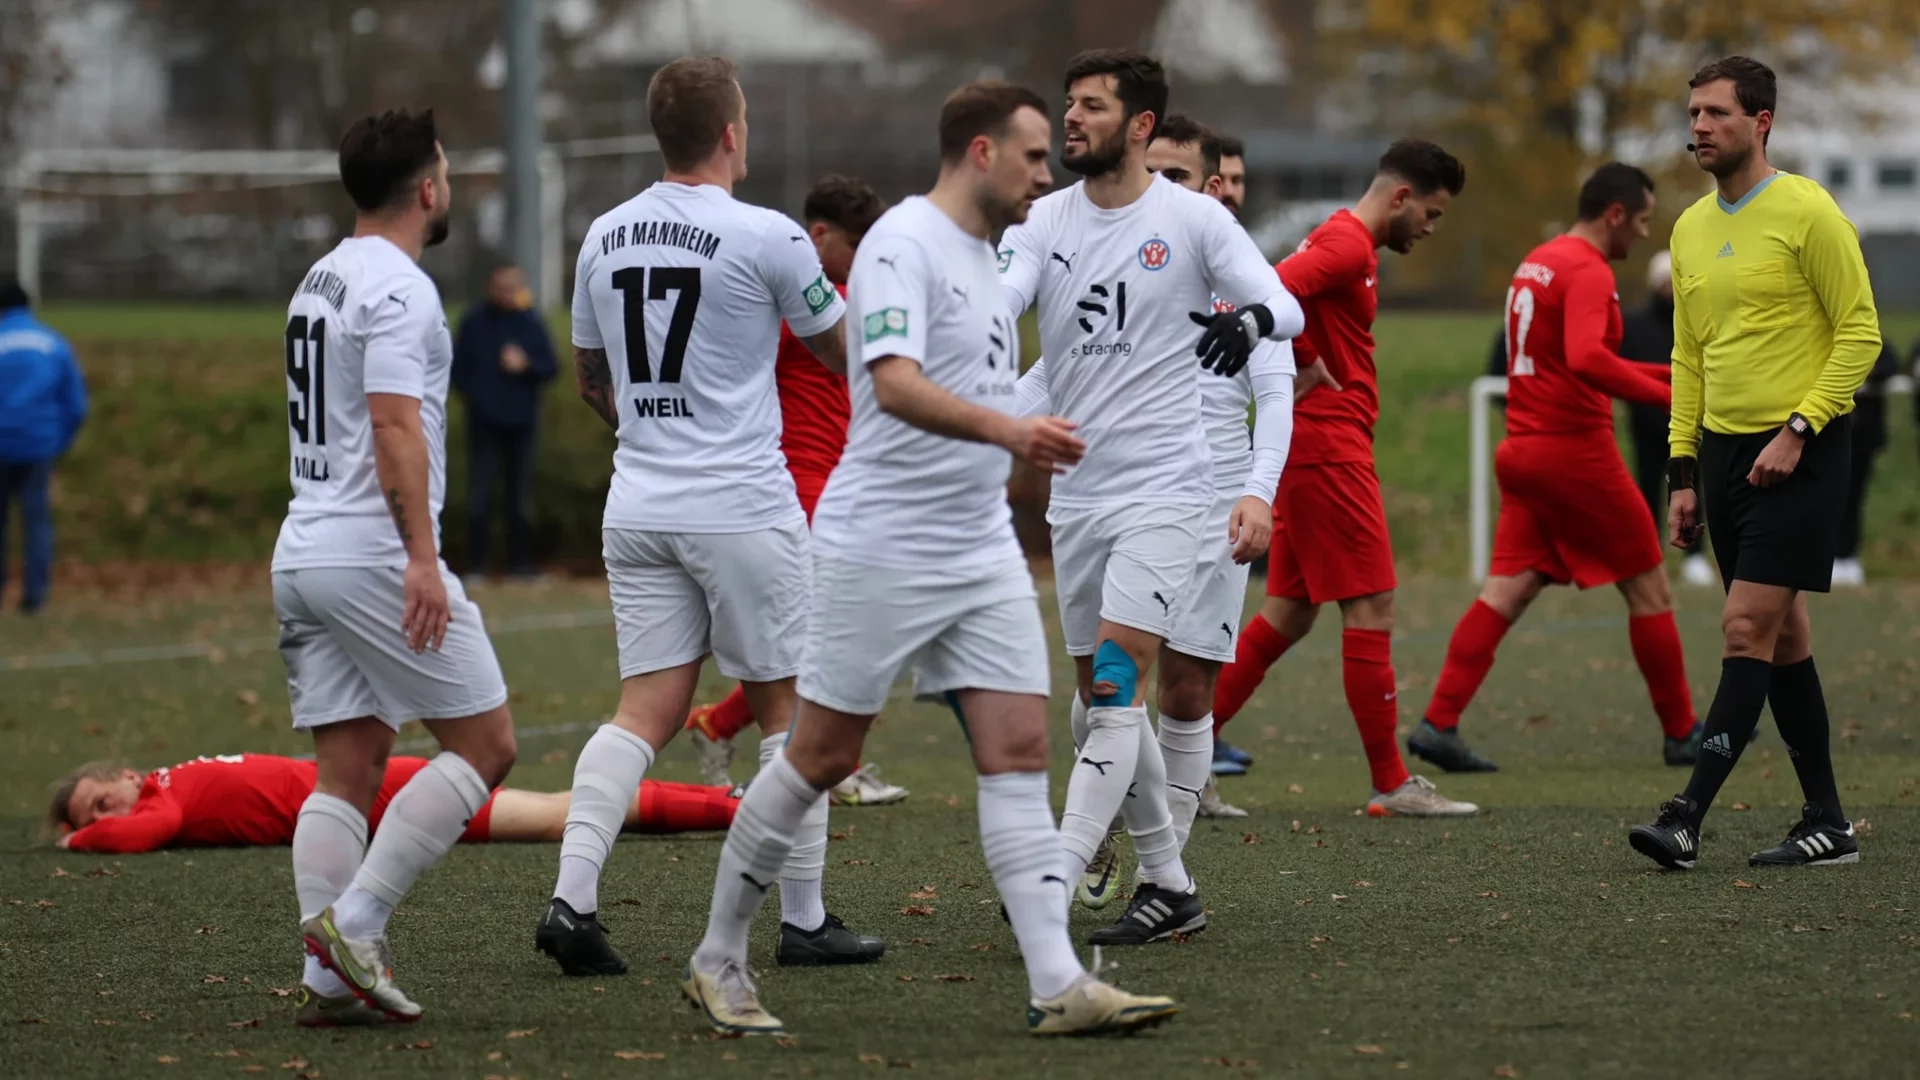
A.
x: 43, y: 402
x: 1648, y: 338
x: 502, y: 357
x: 1869, y: 438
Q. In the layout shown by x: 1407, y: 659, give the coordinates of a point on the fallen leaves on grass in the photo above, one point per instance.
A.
x: 211, y: 979
x: 167, y: 1059
x: 1507, y: 1072
x: 58, y: 872
x: 145, y: 1015
x: 1742, y: 806
x: 103, y: 871
x: 1739, y: 884
x: 984, y: 946
x: 495, y: 1055
x: 1367, y: 1048
x: 255, y: 1022
x: 906, y: 978
x: 925, y: 892
x: 856, y: 862
x: 210, y: 928
x: 1339, y: 896
x: 231, y: 1052
x: 1231, y: 1063
x: 104, y: 1023
x: 1250, y: 838
x: 247, y: 698
x: 1490, y: 894
x: 294, y: 1063
x: 554, y: 757
x: 954, y: 978
x: 43, y: 905
x: 521, y: 1034
x: 280, y: 991
x: 786, y: 1041
x: 916, y: 909
x: 919, y: 941
x: 33, y: 1019
x: 1295, y: 789
x: 872, y: 1059
x: 638, y: 1055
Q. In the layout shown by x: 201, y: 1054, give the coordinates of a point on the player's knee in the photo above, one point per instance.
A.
x: 1112, y: 665
x: 1749, y: 633
x: 823, y: 764
x: 1373, y: 612
x: 492, y: 751
x: 1648, y: 593
x: 1293, y: 618
x: 1185, y: 686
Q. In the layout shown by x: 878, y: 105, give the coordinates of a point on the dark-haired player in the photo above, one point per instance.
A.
x: 679, y: 294
x: 1569, y: 510
x: 1233, y: 171
x: 1330, y: 539
x: 813, y: 431
x: 374, y: 630
x: 1122, y: 265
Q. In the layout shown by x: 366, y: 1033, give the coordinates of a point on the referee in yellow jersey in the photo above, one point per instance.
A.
x: 1774, y: 330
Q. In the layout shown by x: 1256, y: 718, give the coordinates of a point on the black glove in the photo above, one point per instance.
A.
x: 1230, y: 337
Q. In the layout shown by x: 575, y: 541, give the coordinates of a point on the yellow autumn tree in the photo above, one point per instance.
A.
x: 1533, y: 93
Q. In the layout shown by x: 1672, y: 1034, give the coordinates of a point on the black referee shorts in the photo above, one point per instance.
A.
x: 1788, y: 534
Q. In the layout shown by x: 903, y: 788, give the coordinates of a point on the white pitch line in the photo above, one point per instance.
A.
x: 190, y: 650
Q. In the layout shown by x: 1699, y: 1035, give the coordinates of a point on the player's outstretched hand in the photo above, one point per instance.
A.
x: 1777, y: 461
x: 1314, y: 374
x: 1250, y: 528
x: 1683, y: 518
x: 1045, y: 442
x: 1230, y: 336
x: 426, y: 618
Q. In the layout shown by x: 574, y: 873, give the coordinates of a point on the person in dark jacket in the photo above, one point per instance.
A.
x: 502, y: 357
x: 1869, y: 438
x: 43, y: 402
x: 1647, y: 336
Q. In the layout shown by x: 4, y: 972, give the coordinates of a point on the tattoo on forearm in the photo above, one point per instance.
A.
x: 399, y: 511
x: 596, y: 383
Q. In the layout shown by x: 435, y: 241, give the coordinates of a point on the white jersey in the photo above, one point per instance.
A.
x: 685, y: 287
x: 365, y: 320
x: 924, y: 289
x: 1116, y: 290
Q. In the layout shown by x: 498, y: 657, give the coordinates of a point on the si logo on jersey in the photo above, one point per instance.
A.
x: 885, y: 322
x: 1155, y: 254
x: 819, y: 295
x: 1005, y: 259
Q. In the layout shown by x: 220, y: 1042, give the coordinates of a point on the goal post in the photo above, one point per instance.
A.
x: 1480, y: 398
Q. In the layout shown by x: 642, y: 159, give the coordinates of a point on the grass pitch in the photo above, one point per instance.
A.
x: 1528, y: 942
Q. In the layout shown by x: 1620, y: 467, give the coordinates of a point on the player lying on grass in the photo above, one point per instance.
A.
x: 253, y: 800
x: 1569, y: 510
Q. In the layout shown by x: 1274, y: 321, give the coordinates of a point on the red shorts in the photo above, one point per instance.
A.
x: 399, y: 771
x: 1569, y: 510
x: 1329, y: 534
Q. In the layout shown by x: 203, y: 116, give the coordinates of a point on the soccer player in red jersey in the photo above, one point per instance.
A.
x: 1330, y: 527
x: 814, y: 412
x: 253, y: 800
x: 1569, y: 510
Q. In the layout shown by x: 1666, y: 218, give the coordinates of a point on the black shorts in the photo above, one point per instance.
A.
x: 1788, y: 534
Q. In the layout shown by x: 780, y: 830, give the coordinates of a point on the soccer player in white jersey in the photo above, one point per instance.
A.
x: 1203, y: 627
x: 1122, y: 265
x: 374, y: 630
x: 678, y: 299
x: 947, y: 594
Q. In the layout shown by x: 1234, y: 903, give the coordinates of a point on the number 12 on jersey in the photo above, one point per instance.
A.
x: 638, y: 285
x: 1519, y: 320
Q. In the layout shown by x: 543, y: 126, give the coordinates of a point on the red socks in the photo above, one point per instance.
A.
x: 1260, y: 645
x: 1656, y: 648
x: 725, y: 720
x: 1469, y: 658
x: 671, y: 808
x: 1367, y: 669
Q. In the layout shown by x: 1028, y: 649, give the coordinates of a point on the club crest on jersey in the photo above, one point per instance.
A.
x: 819, y: 295
x: 1005, y: 259
x: 1155, y: 254
x: 885, y: 322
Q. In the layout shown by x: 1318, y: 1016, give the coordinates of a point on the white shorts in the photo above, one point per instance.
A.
x: 347, y: 656
x: 1131, y: 565
x: 967, y: 630
x: 679, y: 596
x: 1208, y: 622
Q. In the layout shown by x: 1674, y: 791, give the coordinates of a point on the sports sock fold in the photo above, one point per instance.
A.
x: 801, y: 903
x: 1187, y: 748
x: 757, y: 847
x: 1022, y: 851
x: 605, y: 780
x: 422, y: 823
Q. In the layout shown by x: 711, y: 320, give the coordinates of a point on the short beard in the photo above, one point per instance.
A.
x: 1000, y: 215
x: 1095, y: 162
x: 1726, y: 163
x: 1400, y: 234
x: 437, y: 232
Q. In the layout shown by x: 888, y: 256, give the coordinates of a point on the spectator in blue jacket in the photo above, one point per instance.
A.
x: 43, y: 402
x: 501, y: 358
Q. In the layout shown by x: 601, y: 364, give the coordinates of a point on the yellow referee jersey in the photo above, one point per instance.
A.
x: 1772, y: 312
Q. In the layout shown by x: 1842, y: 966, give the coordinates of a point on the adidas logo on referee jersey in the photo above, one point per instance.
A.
x: 1726, y: 251
x: 1720, y: 744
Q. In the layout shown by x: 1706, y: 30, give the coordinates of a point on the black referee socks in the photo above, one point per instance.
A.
x: 1730, y: 722
x: 1800, y: 711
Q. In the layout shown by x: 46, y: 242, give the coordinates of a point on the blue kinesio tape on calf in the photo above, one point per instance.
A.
x: 1112, y: 664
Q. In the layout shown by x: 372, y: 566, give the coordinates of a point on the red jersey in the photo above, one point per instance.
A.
x: 1332, y: 275
x: 1563, y: 340
x: 814, y: 411
x: 230, y: 800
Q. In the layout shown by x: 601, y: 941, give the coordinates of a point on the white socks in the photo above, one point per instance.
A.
x: 1023, y: 855
x: 1149, y: 821
x: 605, y: 780
x: 756, y: 849
x: 329, y: 841
x: 800, y: 900
x: 1102, y: 770
x: 1187, y: 748
x: 422, y: 823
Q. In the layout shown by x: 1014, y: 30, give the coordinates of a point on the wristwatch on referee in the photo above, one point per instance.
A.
x: 1800, y: 426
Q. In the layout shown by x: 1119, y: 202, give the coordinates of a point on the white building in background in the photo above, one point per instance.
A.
x: 1862, y: 143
